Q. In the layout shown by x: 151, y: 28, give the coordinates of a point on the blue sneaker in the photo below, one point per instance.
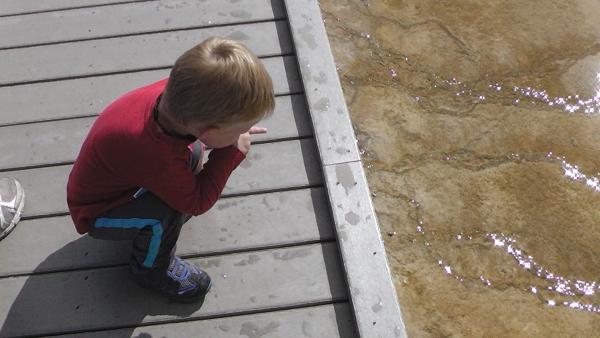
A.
x: 183, y: 282
x: 192, y: 283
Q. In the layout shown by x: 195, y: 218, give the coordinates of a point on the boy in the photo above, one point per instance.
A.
x: 138, y: 174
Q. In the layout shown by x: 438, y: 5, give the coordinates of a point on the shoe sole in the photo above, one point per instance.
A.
x: 193, y: 299
x: 18, y: 213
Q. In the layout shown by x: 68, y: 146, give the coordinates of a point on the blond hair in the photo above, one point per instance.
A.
x: 220, y: 82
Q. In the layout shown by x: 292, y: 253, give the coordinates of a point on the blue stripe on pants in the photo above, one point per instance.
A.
x: 137, y: 223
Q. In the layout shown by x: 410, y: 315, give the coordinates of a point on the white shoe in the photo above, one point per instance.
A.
x: 12, y: 200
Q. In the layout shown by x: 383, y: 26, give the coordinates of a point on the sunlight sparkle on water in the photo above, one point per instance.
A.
x: 498, y: 242
x: 555, y: 284
x: 559, y: 285
x: 570, y: 104
x: 572, y: 172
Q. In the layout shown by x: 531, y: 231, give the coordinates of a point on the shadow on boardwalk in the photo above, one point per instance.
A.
x: 80, y: 300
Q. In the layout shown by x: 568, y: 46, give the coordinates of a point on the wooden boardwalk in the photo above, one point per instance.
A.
x: 292, y: 246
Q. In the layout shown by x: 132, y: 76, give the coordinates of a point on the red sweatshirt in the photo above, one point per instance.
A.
x: 126, y: 150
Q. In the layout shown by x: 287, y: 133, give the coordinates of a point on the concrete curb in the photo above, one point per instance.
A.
x: 372, y: 291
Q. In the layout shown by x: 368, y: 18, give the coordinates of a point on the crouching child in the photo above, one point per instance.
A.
x: 139, y: 173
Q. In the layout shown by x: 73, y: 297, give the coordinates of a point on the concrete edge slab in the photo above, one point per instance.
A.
x: 372, y: 292
x: 332, y: 125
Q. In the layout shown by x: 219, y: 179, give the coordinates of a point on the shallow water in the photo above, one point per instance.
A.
x: 479, y: 124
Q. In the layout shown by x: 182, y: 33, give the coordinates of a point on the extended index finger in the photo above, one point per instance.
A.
x: 257, y: 130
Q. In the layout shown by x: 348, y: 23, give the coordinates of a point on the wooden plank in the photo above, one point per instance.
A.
x: 331, y: 321
x: 49, y: 142
x: 268, y: 166
x: 374, y: 299
x: 131, y: 18
x: 14, y: 7
x: 39, y: 143
x: 333, y: 128
x: 238, y: 223
x: 95, y: 299
x: 129, y: 53
x: 88, y: 96
x: 277, y: 165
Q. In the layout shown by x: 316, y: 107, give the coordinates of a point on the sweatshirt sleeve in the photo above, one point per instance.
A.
x: 211, y: 181
x: 196, y: 194
x: 169, y: 177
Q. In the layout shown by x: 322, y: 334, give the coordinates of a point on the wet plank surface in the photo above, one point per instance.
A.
x: 269, y: 243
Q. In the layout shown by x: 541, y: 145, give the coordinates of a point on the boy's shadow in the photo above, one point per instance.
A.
x: 84, y: 299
